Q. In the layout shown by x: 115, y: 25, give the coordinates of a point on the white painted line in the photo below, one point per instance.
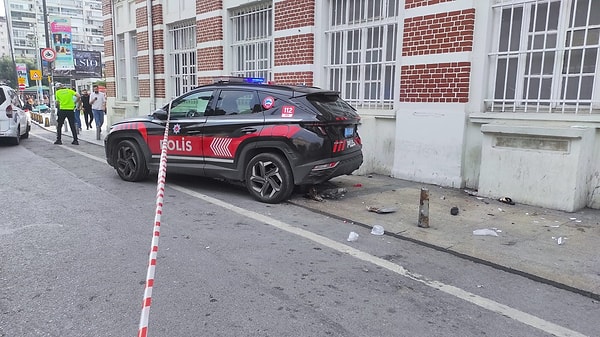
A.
x: 483, y: 302
x: 71, y: 148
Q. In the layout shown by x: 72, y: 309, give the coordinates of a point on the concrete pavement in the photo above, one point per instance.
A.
x: 555, y: 247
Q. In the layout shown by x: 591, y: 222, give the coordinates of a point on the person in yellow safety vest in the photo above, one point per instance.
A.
x: 66, y: 100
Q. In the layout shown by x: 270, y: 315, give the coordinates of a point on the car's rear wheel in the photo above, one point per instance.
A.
x: 269, y: 178
x: 26, y: 134
x: 130, y: 162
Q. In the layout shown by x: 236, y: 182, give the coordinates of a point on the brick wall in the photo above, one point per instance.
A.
x: 435, y: 83
x: 294, y: 78
x: 210, y: 58
x: 210, y: 29
x: 439, y: 33
x: 436, y: 34
x: 294, y: 14
x: 419, y: 3
x: 295, y: 49
x: 205, y: 6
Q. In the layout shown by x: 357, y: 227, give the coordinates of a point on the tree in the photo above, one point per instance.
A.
x: 8, y: 70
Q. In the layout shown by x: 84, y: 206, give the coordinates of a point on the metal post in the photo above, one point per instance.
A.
x: 424, y: 208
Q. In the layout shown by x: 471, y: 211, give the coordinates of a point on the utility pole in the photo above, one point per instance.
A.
x: 50, y: 67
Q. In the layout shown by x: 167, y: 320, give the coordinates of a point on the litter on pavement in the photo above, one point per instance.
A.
x: 377, y: 230
x: 484, y: 232
x: 381, y: 210
x: 353, y: 236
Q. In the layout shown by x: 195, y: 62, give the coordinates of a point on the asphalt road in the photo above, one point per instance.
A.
x: 74, y: 244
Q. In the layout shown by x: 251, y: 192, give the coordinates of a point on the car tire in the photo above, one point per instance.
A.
x: 130, y: 162
x: 26, y: 134
x: 269, y: 178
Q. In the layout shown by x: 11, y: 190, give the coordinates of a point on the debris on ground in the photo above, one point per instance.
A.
x: 334, y: 193
x: 377, y: 230
x: 380, y: 210
x: 560, y: 240
x: 454, y: 210
x: 357, y: 185
x: 471, y: 192
x: 506, y: 200
x: 485, y: 232
x: 353, y: 236
x: 313, y: 194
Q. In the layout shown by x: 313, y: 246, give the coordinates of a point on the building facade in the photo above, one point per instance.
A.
x: 26, y: 20
x: 4, y: 41
x: 501, y: 96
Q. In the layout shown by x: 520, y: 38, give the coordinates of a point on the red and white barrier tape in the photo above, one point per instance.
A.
x: 160, y: 194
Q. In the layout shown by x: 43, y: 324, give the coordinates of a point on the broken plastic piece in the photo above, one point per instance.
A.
x: 380, y: 210
x: 506, y: 200
x: 353, y: 236
x: 377, y: 230
x: 486, y: 231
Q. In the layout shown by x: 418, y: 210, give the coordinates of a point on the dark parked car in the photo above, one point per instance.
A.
x: 271, y: 137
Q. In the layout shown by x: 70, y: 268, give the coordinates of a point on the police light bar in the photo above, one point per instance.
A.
x: 235, y: 79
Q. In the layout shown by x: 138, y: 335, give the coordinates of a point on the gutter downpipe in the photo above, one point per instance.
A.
x: 151, y: 55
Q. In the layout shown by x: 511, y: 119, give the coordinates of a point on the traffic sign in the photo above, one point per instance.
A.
x: 48, y: 54
x: 21, y: 80
x: 21, y: 86
x: 35, y: 74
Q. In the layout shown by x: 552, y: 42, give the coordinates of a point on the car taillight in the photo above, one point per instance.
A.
x: 9, y: 112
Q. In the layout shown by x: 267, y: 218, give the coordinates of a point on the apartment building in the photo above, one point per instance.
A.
x: 26, y: 21
x: 500, y: 96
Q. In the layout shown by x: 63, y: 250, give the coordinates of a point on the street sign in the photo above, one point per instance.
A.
x: 21, y: 86
x: 48, y: 54
x: 21, y: 80
x: 35, y: 74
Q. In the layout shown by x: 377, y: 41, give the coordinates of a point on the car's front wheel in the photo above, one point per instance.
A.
x: 130, y: 162
x: 269, y: 178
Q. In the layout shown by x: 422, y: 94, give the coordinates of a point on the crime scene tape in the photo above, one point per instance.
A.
x: 160, y: 194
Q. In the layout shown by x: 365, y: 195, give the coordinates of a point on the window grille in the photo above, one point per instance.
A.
x: 361, y: 44
x: 252, y: 41
x: 121, y: 68
x: 182, y: 55
x: 545, y: 57
x: 133, y: 52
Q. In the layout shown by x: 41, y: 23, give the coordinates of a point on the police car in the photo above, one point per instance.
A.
x: 270, y: 137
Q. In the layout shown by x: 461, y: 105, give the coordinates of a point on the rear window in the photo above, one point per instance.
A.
x: 2, y: 96
x: 331, y: 103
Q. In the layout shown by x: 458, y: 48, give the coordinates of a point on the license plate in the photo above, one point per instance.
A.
x: 348, y: 132
x: 350, y: 143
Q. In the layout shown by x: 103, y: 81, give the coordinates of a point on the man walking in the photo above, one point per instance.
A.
x: 98, y: 102
x: 87, y: 109
x: 66, y: 99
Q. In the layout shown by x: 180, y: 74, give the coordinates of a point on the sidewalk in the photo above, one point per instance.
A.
x: 527, y: 241
x: 85, y: 135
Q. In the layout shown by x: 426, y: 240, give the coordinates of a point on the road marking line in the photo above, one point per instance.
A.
x: 483, y: 302
x: 71, y: 149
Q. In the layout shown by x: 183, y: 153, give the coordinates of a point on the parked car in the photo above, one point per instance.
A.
x: 15, y: 122
x: 271, y: 137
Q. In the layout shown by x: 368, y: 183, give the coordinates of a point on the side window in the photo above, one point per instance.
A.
x: 234, y: 102
x: 16, y: 101
x: 193, y: 105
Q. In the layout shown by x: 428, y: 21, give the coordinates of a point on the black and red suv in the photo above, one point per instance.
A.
x: 271, y: 137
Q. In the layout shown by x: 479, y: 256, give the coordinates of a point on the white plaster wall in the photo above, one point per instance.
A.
x: 429, y: 143
x: 378, y: 137
x: 594, y: 174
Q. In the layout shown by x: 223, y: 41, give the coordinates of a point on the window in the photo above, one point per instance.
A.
x: 252, y: 41
x: 190, y: 106
x: 361, y: 45
x: 237, y: 102
x: 183, y: 57
x: 133, y: 75
x: 121, y: 68
x: 546, y: 57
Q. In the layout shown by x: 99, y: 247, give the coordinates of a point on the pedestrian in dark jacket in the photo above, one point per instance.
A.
x: 87, y: 109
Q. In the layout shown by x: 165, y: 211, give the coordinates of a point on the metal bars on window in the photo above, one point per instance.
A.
x: 182, y: 54
x: 252, y: 41
x: 361, y: 45
x: 546, y: 57
x: 121, y: 68
x: 134, y: 67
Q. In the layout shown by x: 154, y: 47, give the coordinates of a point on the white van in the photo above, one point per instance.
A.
x: 15, y: 123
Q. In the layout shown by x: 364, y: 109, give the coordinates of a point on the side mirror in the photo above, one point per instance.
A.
x: 160, y: 114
